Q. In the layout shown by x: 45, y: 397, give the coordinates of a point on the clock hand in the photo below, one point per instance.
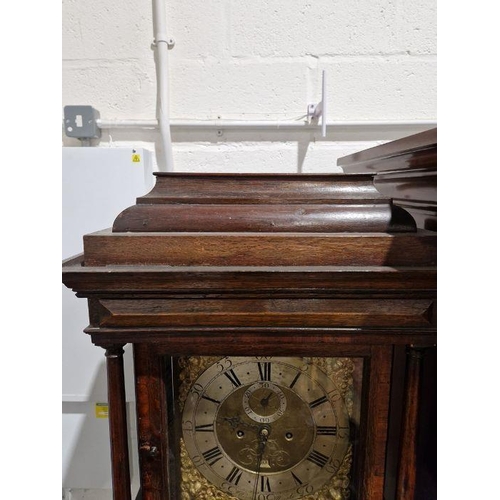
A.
x: 263, y: 437
x: 265, y: 401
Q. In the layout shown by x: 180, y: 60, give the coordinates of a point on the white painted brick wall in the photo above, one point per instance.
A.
x: 256, y: 60
x: 209, y: 88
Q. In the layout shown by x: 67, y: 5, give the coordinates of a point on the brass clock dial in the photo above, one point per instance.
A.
x: 265, y: 428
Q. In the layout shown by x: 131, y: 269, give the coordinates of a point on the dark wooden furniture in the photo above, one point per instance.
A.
x: 406, y: 171
x: 250, y: 265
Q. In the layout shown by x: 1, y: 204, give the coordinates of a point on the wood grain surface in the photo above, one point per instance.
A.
x: 406, y: 171
x: 124, y: 313
x: 118, y: 428
x: 261, y: 249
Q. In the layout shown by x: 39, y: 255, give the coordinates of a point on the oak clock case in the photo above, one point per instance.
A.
x: 267, y: 428
x: 210, y: 270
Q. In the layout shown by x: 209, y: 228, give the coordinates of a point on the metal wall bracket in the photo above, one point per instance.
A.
x: 81, y: 122
x: 314, y: 111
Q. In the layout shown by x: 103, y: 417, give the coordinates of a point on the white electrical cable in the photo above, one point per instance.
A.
x: 263, y: 124
x: 165, y: 164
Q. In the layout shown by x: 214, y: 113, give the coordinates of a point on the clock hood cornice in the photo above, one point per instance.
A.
x: 262, y: 220
x: 335, y: 203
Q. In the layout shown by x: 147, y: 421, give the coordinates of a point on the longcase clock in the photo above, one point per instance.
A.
x: 278, y: 324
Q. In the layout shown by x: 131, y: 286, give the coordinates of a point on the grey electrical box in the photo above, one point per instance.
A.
x: 81, y: 122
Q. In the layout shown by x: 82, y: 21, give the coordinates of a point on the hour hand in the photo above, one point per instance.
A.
x: 263, y: 437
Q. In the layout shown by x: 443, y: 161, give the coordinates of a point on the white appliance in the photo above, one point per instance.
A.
x: 97, y: 184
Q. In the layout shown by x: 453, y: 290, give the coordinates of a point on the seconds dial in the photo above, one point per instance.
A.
x: 264, y: 402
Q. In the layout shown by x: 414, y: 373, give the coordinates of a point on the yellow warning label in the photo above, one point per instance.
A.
x: 101, y: 410
x: 136, y: 158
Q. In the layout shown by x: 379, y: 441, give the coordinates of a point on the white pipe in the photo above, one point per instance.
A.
x: 110, y: 124
x: 263, y: 124
x: 324, y: 106
x: 162, y: 83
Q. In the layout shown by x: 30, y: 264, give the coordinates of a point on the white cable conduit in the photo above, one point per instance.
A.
x: 262, y: 125
x: 165, y: 164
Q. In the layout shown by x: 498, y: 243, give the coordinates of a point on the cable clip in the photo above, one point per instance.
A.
x: 163, y: 38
